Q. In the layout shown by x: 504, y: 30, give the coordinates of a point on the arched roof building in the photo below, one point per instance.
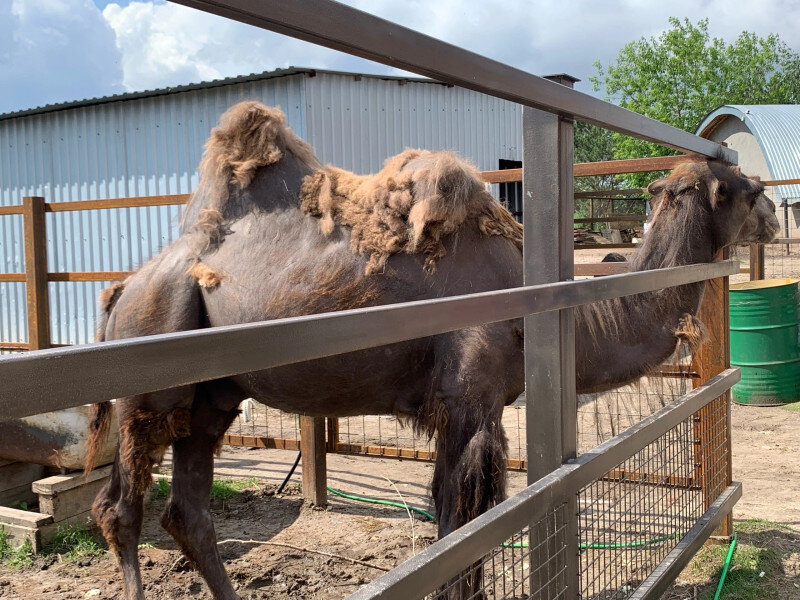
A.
x: 767, y: 138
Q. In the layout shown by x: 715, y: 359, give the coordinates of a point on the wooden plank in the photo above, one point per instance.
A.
x: 76, y: 501
x: 774, y: 182
x: 333, y: 433
x: 613, y: 219
x: 89, y: 276
x: 655, y: 479
x: 14, y: 496
x: 312, y: 447
x: 633, y: 165
x: 130, y: 202
x: 13, y: 346
x: 38, y: 304
x: 604, y: 246
x: 601, y: 194
x: 58, y: 484
x: 710, y: 360
x: 756, y: 261
x: 18, y: 474
x: 255, y: 441
x: 12, y: 276
x: 609, y: 167
x: 25, y: 518
x: 600, y: 269
x: 11, y: 210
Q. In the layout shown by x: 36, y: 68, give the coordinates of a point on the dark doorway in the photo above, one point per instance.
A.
x: 511, y: 193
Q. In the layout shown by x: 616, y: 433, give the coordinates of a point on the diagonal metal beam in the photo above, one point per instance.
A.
x: 349, y: 30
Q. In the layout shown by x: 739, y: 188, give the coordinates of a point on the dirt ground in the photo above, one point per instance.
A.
x: 766, y: 445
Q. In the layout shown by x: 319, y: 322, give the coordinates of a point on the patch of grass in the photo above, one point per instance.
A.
x: 753, y: 570
x: 222, y: 489
x: 226, y: 489
x: 76, y: 541
x: 15, y: 558
x: 160, y: 489
x: 794, y: 406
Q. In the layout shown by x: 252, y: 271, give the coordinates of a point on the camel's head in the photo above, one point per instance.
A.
x: 761, y: 225
x: 738, y: 209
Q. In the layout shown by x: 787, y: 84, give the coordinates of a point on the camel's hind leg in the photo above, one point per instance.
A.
x: 145, y: 432
x: 187, y: 516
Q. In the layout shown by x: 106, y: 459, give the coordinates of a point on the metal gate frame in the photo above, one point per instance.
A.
x: 73, y: 376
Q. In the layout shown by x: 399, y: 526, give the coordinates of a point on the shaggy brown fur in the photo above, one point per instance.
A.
x: 100, y: 414
x: 409, y: 206
x: 144, y: 436
x: 692, y: 332
x: 205, y: 276
x: 249, y: 136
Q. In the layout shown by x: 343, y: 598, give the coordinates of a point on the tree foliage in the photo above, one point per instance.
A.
x: 684, y: 73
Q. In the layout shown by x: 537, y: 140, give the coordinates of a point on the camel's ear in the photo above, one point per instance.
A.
x: 656, y: 187
x: 720, y: 192
x: 737, y: 170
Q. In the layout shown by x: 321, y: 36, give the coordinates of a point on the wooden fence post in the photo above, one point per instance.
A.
x: 38, y: 304
x: 312, y: 447
x: 713, y: 358
x: 756, y: 261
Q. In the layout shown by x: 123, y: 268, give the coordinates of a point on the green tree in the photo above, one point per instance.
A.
x: 684, y: 73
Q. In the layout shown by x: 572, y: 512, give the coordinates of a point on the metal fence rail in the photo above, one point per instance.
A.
x: 96, y: 372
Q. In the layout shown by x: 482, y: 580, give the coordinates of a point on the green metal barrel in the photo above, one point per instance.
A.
x: 765, y: 341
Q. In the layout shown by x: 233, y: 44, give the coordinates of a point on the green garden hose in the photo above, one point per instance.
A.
x: 725, y: 567
x: 419, y: 511
x: 430, y: 517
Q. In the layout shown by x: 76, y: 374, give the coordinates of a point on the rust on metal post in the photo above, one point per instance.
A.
x: 756, y: 261
x: 710, y: 360
x: 312, y: 447
x: 33, y: 217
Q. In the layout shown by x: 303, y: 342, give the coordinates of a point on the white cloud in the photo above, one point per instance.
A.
x: 168, y: 44
x: 165, y: 44
x: 55, y: 50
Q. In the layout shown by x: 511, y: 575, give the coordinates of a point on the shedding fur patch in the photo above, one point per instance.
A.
x: 250, y: 135
x: 144, y: 436
x: 691, y: 332
x: 418, y: 198
x: 205, y: 277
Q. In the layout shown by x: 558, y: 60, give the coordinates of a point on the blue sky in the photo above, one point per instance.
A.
x: 61, y: 50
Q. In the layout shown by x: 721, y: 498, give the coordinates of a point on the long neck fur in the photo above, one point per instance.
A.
x: 622, y: 339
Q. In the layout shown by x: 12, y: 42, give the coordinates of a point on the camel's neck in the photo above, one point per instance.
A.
x: 622, y: 339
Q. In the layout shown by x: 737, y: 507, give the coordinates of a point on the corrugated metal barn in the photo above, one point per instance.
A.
x: 150, y: 143
x: 767, y: 138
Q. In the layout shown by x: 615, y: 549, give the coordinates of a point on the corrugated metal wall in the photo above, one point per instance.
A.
x: 356, y: 124
x: 152, y: 146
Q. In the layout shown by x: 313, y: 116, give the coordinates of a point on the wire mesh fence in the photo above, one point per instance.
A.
x: 600, y: 417
x: 531, y: 564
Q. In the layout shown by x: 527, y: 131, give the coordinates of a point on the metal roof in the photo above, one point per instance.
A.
x: 203, y: 85
x: 776, y: 128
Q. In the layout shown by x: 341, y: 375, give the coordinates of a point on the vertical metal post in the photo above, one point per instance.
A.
x: 38, y: 305
x: 312, y: 448
x: 756, y: 262
x: 548, y: 256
